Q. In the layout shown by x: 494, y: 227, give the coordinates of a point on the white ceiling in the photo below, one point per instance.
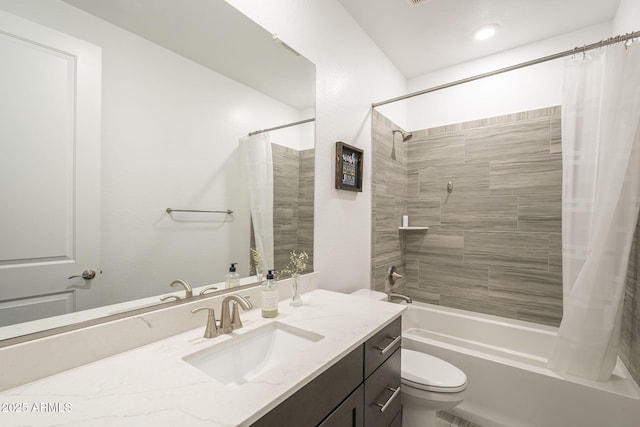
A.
x: 439, y: 33
x: 216, y: 35
x: 417, y: 39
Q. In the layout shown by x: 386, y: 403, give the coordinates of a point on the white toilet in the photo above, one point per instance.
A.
x: 429, y: 384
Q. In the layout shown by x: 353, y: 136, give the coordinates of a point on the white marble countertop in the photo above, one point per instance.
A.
x: 153, y: 386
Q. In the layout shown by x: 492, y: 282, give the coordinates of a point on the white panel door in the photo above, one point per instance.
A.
x: 49, y: 171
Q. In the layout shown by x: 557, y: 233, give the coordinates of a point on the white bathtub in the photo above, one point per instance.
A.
x: 509, y: 385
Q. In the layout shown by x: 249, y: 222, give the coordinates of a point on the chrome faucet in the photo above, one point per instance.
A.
x: 230, y: 322
x: 185, y: 285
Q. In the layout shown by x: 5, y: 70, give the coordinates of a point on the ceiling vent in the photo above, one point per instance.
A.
x: 416, y: 2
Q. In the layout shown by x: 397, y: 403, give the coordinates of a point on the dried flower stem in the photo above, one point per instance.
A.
x: 297, y: 262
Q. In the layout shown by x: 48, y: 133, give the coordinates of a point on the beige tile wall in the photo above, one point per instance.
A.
x: 389, y: 198
x: 306, y: 175
x: 293, y: 184
x: 293, y: 172
x: 493, y: 243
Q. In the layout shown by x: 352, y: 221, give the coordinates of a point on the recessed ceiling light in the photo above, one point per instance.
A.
x: 486, y: 32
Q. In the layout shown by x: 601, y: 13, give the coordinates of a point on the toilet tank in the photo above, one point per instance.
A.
x: 371, y: 294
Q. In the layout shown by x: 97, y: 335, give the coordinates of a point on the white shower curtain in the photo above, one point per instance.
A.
x: 601, y: 193
x: 258, y: 165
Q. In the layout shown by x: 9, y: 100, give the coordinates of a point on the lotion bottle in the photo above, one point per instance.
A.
x: 232, y: 278
x: 269, y: 296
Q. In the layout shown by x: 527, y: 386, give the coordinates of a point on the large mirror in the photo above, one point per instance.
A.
x: 178, y: 83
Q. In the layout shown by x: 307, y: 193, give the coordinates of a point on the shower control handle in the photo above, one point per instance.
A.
x: 392, y: 275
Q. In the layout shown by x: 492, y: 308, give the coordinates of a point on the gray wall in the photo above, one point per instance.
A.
x: 494, y: 243
x: 293, y: 173
x: 389, y: 198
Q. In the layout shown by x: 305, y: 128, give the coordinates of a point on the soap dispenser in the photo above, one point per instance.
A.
x: 270, y: 296
x: 232, y: 278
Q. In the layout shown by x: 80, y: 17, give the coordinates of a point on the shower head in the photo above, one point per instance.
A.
x: 405, y: 135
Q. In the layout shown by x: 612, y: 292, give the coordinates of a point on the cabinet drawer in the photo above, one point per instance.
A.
x: 311, y: 404
x: 350, y: 413
x: 382, y: 393
x: 382, y: 345
x: 397, y: 421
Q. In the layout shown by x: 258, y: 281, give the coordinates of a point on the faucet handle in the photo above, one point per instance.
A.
x: 170, y: 297
x: 392, y: 276
x: 208, y: 289
x: 211, y: 331
x: 235, y: 316
x: 236, y: 323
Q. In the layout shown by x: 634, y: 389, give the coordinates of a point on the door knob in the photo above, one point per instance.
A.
x: 86, y: 275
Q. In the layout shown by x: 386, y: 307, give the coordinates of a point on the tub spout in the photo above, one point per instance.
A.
x: 404, y: 298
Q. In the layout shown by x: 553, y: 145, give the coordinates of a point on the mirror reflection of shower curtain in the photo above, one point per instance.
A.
x: 601, y: 195
x: 258, y: 165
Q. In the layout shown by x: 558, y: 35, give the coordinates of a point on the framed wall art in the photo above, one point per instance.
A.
x: 349, y: 163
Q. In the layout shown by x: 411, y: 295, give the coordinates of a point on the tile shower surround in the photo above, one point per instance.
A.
x: 293, y: 203
x: 293, y: 173
x: 495, y: 243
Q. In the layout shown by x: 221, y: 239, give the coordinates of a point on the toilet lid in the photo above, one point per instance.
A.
x: 426, y: 372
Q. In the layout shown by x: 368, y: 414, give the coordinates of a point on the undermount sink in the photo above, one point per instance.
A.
x: 245, y: 357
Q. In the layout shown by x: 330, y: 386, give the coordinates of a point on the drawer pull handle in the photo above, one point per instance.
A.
x: 383, y: 406
x: 390, y: 346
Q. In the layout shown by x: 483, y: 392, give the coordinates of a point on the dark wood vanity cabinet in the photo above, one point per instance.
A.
x: 382, y: 376
x: 310, y: 405
x: 361, y: 389
x: 350, y: 413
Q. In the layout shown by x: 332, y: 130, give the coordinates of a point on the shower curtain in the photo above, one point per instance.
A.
x: 258, y: 165
x: 600, y: 200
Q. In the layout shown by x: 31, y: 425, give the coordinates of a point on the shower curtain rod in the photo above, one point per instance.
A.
x: 601, y: 43
x: 282, y: 126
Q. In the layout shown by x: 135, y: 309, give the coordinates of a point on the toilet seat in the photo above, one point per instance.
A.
x: 425, y: 372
